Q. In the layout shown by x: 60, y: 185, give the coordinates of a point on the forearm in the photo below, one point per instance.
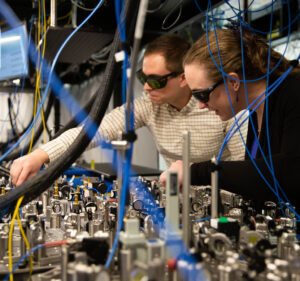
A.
x: 58, y: 146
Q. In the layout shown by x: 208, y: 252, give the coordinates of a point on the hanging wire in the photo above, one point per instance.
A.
x: 249, y: 116
x: 57, y: 87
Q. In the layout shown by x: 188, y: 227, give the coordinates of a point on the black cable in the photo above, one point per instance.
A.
x: 71, y: 124
x: 48, y: 130
x: 56, y: 114
x: 10, y: 109
x: 35, y: 186
x: 180, y: 5
x: 82, y: 7
x: 3, y: 146
x: 16, y: 153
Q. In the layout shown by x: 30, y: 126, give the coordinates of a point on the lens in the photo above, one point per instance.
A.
x: 157, y: 83
x: 202, y: 97
x: 140, y: 75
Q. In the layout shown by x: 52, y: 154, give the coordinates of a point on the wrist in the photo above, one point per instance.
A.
x: 42, y: 155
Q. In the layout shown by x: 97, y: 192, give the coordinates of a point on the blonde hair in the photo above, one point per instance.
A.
x: 227, y: 42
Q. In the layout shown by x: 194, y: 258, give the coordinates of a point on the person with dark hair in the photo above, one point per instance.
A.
x: 167, y: 108
x: 275, y: 125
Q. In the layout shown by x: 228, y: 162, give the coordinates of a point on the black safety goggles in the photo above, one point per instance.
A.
x: 203, y: 95
x: 155, y: 81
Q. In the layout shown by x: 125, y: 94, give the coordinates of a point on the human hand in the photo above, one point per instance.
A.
x: 26, y: 167
x: 176, y: 166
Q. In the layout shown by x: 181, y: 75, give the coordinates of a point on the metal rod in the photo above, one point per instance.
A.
x: 214, y: 189
x: 74, y: 15
x: 121, y: 146
x: 186, y: 226
x: 64, y: 262
x: 138, y: 34
x: 53, y: 13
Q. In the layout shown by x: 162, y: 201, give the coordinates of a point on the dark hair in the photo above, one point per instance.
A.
x: 172, y: 47
x: 228, y: 43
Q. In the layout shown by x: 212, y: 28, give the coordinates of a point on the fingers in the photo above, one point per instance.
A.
x: 15, y: 171
x: 162, y: 178
x: 21, y: 170
x: 28, y: 166
x: 176, y: 166
x: 25, y: 175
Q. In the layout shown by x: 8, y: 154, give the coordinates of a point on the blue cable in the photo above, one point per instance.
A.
x: 271, y: 170
x: 225, y: 83
x: 20, y: 212
x: 57, y: 86
x: 126, y: 172
x: 267, y: 113
x: 3, y: 213
x: 221, y: 70
x: 94, y: 189
x: 199, y: 220
x: 266, y: 162
x: 291, y: 22
x: 248, y: 107
x: 122, y: 204
x: 155, y: 213
x: 204, y: 219
x: 219, y: 58
x: 247, y: 11
x: 229, y: 136
x: 22, y: 259
x: 109, y: 188
x: 119, y: 11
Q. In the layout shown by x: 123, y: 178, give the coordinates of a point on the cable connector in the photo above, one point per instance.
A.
x: 130, y: 136
x: 120, y: 56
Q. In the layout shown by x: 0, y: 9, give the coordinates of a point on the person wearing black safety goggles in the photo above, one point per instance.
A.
x: 203, y: 95
x: 238, y: 80
x: 155, y: 81
x: 164, y: 84
x: 165, y: 106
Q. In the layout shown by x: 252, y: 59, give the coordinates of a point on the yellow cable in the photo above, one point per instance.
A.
x: 27, y: 245
x: 45, y: 21
x: 43, y: 118
x: 43, y: 54
x: 11, y: 229
x: 16, y: 212
x: 37, y: 71
x: 66, y: 15
x: 34, y: 111
x: 70, y: 15
x: 39, y: 29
